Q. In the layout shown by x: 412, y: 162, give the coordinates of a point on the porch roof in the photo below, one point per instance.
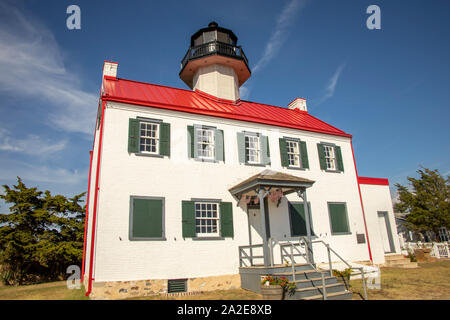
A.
x: 271, y: 179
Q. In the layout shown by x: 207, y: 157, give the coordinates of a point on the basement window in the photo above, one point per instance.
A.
x: 177, y: 286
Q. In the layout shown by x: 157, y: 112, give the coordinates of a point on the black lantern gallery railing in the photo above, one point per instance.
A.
x: 213, y: 47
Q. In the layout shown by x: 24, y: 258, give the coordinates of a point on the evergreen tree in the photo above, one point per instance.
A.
x: 41, y: 236
x: 426, y: 203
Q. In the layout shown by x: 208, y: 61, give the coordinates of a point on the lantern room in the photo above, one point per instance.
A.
x: 214, y: 63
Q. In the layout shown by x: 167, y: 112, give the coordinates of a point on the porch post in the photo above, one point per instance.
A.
x: 262, y: 195
x: 308, y: 225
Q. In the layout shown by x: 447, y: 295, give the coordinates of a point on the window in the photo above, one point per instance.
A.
x: 330, y: 158
x: 252, y: 149
x: 338, y: 218
x: 206, y: 219
x: 205, y: 143
x: 149, y: 137
x: 146, y: 218
x: 293, y: 152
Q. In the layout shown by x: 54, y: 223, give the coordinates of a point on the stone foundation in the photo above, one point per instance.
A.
x: 139, y: 288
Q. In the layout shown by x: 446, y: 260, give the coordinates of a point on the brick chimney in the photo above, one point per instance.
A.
x: 298, y: 103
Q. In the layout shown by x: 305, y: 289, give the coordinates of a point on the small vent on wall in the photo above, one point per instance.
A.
x: 361, y: 238
x: 176, y: 285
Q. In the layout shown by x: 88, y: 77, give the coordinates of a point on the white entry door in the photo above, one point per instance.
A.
x: 385, y: 230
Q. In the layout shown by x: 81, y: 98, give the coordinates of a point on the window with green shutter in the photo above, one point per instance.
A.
x: 207, y: 219
x: 206, y: 143
x: 298, y: 220
x: 293, y: 153
x: 330, y: 157
x: 148, y: 137
x: 338, y: 218
x: 253, y: 148
x: 146, y: 218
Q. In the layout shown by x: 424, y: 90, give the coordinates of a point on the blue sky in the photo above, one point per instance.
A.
x: 389, y: 88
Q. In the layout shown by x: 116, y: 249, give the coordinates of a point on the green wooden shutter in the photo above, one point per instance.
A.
x: 188, y: 218
x: 265, y: 151
x: 323, y: 162
x: 133, y: 135
x: 164, y: 139
x: 191, y: 141
x: 338, y: 218
x: 147, y: 218
x: 241, y: 147
x: 283, y: 153
x: 340, y: 163
x: 304, y: 155
x: 226, y: 219
x: 219, y: 145
x: 297, y: 219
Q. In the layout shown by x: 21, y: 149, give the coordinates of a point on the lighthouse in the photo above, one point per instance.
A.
x: 214, y: 64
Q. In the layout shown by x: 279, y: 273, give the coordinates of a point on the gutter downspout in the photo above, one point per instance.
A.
x: 86, y: 220
x: 94, y: 217
x: 362, y: 205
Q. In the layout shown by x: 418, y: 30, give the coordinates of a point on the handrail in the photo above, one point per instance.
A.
x: 329, y: 250
x: 243, y: 255
x: 291, y: 255
x: 211, y: 48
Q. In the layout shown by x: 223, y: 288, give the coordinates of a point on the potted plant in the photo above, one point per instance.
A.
x: 273, y: 288
x: 344, y: 275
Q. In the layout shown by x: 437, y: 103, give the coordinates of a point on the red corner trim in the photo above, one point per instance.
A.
x: 362, y: 206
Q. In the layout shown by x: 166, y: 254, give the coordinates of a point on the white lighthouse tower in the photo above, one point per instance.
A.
x: 215, y: 64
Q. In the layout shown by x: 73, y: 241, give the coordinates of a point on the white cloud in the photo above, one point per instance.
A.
x: 32, y: 66
x: 331, y: 86
x: 31, y: 145
x: 41, y: 174
x: 279, y: 34
x: 244, y: 92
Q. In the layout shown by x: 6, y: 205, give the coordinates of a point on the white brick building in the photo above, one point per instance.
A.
x: 166, y: 194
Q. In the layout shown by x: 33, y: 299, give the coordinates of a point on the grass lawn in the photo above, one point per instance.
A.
x: 429, y: 281
x: 44, y: 291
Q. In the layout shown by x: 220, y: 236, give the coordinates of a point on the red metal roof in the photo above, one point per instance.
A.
x: 157, y: 96
x: 375, y: 181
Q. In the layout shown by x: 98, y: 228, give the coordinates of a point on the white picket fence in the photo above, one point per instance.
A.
x: 438, y: 249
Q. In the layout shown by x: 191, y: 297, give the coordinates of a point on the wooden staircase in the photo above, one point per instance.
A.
x: 308, y: 282
x: 398, y: 261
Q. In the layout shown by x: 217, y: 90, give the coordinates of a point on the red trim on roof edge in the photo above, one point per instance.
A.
x: 374, y: 181
x: 110, y: 62
x: 106, y: 97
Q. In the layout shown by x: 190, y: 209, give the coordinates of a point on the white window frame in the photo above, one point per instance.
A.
x: 296, y: 155
x: 155, y: 138
x: 210, y: 145
x: 330, y: 157
x: 202, y: 209
x: 256, y: 149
